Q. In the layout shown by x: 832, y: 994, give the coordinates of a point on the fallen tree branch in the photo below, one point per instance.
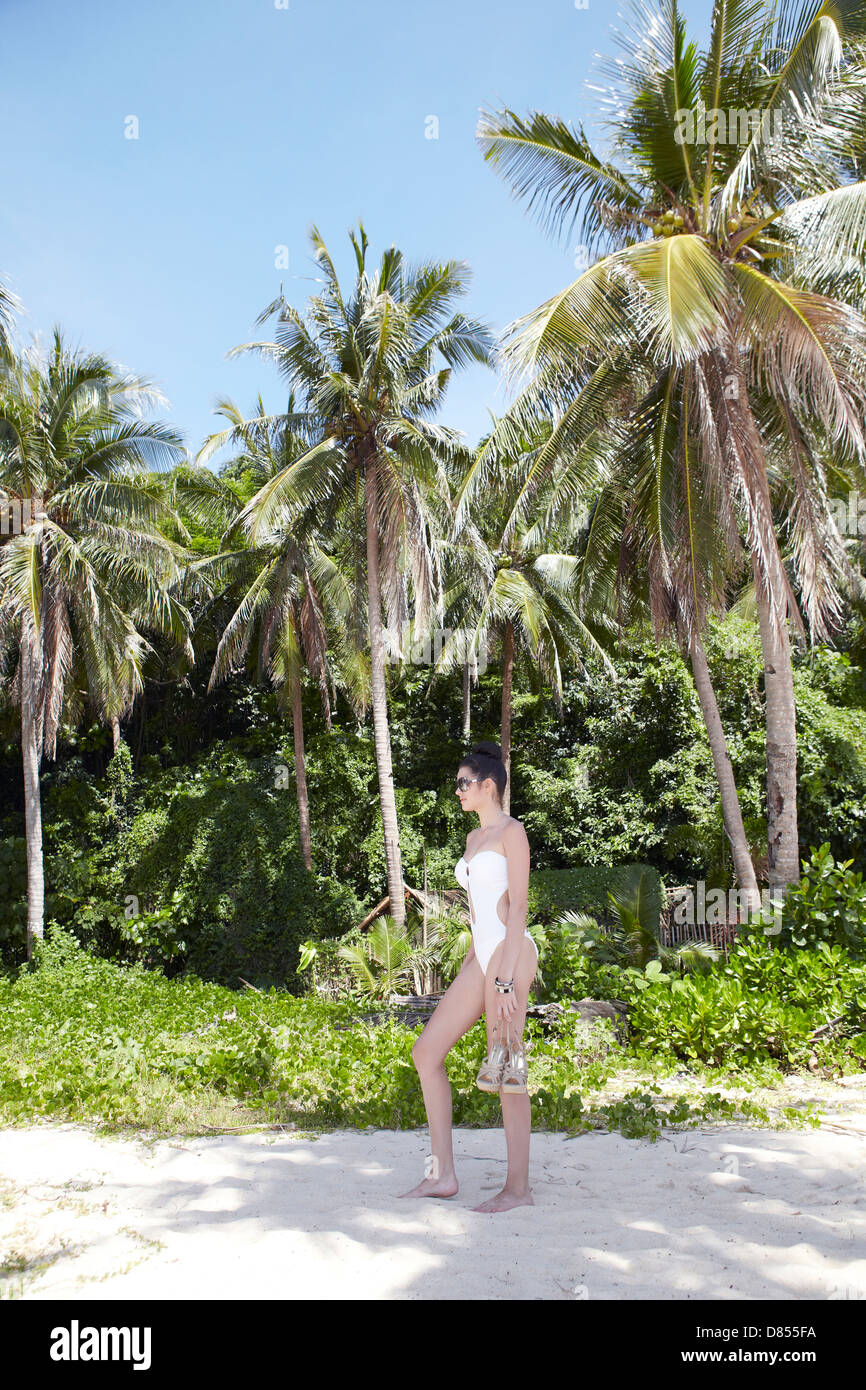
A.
x: 824, y: 1026
x: 377, y: 911
x: 446, y: 894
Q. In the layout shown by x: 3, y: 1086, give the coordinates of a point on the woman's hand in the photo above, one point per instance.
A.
x: 506, y: 1004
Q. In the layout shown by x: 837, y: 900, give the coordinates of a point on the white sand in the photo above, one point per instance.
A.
x: 721, y: 1213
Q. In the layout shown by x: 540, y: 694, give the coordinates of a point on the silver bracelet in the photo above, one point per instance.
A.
x: 504, y: 986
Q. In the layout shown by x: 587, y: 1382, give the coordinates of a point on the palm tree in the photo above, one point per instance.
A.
x: 720, y: 260
x: 366, y: 369
x: 468, y: 570
x: 519, y: 587
x: 10, y: 304
x: 401, y: 958
x: 294, y: 593
x: 652, y: 546
x: 88, y: 571
x: 635, y: 936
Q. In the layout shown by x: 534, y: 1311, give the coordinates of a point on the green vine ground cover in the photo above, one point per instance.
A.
x: 85, y: 1039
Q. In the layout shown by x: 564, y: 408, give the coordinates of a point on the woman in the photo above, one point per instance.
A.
x: 494, y: 980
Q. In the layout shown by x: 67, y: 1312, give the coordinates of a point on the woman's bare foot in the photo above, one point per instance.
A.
x: 434, y: 1187
x: 505, y: 1200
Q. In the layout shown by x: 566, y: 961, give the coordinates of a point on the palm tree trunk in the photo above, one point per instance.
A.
x: 115, y: 732
x: 783, y: 849
x: 467, y: 701
x: 772, y: 594
x: 301, y: 774
x: 32, y: 802
x: 507, y: 678
x: 381, y: 733
x: 733, y: 817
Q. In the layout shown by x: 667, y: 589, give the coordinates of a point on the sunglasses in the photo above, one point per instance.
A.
x: 463, y: 782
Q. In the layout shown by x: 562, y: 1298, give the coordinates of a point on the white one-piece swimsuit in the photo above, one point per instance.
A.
x: 489, y: 882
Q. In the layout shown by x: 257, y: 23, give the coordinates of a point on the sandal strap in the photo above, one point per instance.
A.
x: 516, y: 1070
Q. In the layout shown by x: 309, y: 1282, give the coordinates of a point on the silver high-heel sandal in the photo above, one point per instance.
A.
x: 515, y: 1073
x: 489, y: 1076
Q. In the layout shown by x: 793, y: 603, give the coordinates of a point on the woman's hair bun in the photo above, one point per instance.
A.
x: 486, y: 760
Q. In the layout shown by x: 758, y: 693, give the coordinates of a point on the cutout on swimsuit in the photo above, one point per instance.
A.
x: 503, y: 920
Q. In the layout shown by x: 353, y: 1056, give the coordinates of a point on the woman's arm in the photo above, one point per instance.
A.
x: 517, y: 856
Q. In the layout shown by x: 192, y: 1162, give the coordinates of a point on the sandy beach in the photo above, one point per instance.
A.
x: 726, y: 1212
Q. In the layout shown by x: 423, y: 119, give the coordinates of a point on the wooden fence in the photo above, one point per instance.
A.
x: 672, y: 933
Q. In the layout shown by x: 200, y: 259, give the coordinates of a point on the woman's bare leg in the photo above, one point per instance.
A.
x: 516, y: 1109
x: 460, y: 1007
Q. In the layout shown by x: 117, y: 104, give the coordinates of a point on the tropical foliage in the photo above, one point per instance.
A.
x: 711, y: 354
x: 239, y: 755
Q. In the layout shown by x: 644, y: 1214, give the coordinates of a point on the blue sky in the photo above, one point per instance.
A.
x: 255, y: 122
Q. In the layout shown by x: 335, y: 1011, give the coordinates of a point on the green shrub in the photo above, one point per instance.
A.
x: 198, y: 870
x: 830, y: 695
x: 564, y: 968
x: 13, y: 905
x: 828, y: 905
x: 764, y: 1002
x: 585, y: 890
